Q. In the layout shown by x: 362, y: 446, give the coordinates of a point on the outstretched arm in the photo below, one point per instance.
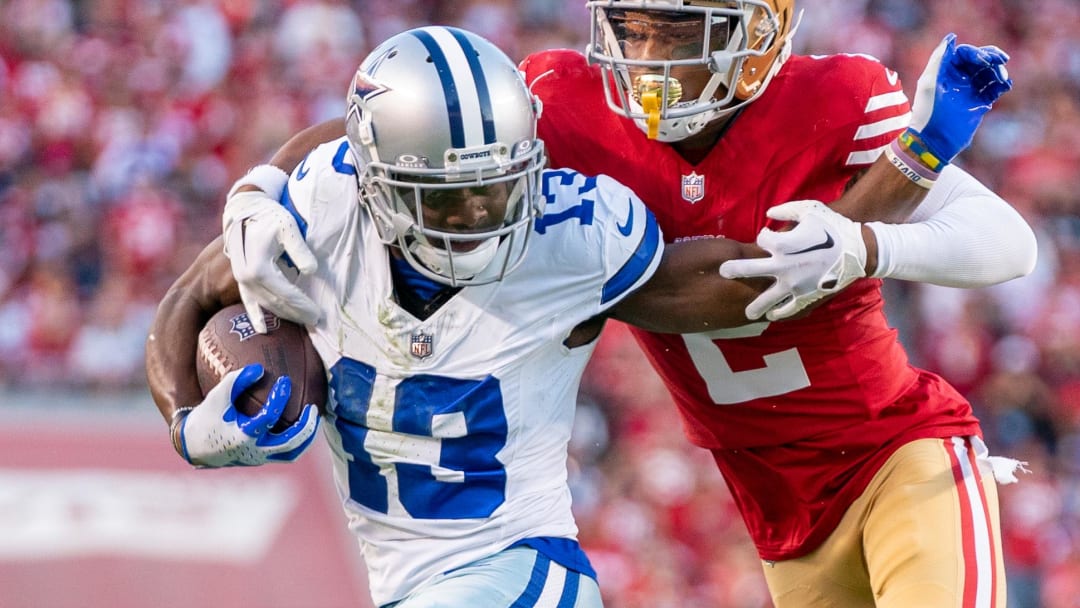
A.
x: 882, y: 193
x: 957, y: 88
x: 959, y: 85
x: 687, y: 294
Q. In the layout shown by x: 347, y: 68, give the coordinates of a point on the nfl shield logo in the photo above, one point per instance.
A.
x: 693, y: 187
x: 242, y: 326
x: 420, y: 347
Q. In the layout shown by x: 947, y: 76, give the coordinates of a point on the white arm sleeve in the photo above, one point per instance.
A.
x: 962, y: 235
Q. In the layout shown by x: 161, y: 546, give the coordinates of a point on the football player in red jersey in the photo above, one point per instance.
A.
x: 862, y: 480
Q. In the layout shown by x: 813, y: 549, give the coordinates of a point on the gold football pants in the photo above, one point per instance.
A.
x: 924, y: 533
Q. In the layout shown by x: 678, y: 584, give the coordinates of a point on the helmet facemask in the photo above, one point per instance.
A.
x: 443, y: 129
x: 674, y: 66
x: 458, y: 229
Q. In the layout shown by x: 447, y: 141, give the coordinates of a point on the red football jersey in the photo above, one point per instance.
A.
x: 799, y: 414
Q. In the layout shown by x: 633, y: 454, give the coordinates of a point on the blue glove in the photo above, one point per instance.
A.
x: 958, y: 86
x: 215, y: 434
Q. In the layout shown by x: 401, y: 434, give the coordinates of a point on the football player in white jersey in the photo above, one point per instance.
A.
x: 458, y: 284
x: 459, y: 289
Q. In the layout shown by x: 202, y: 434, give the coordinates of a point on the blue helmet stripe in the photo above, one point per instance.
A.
x: 453, y: 102
x: 482, y: 91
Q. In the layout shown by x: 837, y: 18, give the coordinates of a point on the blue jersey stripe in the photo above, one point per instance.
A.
x: 340, y: 164
x: 482, y: 91
x: 453, y: 102
x: 636, y: 265
x: 286, y: 201
x: 301, y: 223
x: 535, y: 587
x: 570, y: 590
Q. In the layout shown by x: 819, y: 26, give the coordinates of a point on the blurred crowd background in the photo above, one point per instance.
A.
x: 123, y: 122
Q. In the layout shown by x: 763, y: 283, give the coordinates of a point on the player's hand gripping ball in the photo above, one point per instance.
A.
x: 251, y: 413
x: 229, y: 341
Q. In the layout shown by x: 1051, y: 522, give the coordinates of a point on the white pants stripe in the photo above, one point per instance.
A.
x: 977, y: 542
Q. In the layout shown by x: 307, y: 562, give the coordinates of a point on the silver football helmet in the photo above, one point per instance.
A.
x: 444, y: 130
x: 742, y: 44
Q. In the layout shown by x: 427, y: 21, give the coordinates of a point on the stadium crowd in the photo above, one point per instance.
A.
x: 123, y: 122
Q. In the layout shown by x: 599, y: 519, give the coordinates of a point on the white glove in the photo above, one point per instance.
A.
x: 258, y: 230
x: 823, y: 254
x: 215, y: 434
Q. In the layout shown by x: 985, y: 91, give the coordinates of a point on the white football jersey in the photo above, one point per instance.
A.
x: 450, y: 434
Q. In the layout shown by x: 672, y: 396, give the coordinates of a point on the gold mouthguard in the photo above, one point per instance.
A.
x: 647, y: 89
x: 655, y: 82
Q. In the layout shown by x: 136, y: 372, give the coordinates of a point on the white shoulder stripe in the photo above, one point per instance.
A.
x: 882, y: 127
x: 885, y: 100
x: 865, y: 157
x: 471, y: 117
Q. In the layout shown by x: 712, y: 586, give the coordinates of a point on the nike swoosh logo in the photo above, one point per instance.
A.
x: 302, y: 170
x: 826, y: 245
x: 625, y: 229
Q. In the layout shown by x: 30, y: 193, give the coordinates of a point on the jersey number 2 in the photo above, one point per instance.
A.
x: 783, y: 371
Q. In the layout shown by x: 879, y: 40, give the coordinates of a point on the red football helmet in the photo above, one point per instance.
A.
x: 654, y: 54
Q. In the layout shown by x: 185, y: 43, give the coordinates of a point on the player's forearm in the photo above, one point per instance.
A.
x: 965, y: 236
x: 289, y: 156
x: 883, y: 194
x: 272, y: 177
x: 168, y: 351
x: 687, y: 293
x: 171, y: 344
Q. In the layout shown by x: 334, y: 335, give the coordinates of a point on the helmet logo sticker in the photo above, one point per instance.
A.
x: 413, y: 161
x: 693, y: 187
x: 365, y: 87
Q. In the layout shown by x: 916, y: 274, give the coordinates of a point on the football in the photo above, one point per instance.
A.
x: 228, y: 342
